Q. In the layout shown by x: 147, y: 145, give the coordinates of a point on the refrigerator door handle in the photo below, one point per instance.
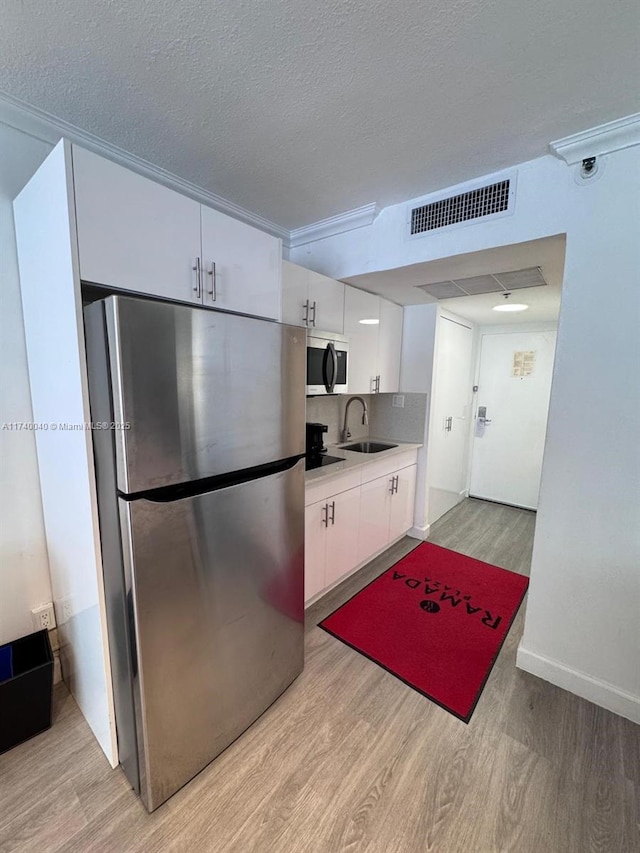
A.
x: 330, y: 384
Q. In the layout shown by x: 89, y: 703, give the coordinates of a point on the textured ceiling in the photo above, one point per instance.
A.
x: 299, y: 109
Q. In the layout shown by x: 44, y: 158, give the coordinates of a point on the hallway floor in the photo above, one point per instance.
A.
x: 351, y: 759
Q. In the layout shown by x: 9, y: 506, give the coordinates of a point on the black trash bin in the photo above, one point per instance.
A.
x: 26, y: 688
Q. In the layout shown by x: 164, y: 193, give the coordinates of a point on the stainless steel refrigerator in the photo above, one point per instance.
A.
x: 198, y: 442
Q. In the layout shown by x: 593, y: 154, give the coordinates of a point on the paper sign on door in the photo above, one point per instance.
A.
x: 523, y: 362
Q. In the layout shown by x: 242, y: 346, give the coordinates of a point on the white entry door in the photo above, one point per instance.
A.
x: 514, y: 386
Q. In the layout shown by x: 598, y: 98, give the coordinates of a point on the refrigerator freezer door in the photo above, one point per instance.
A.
x: 217, y: 587
x: 203, y: 392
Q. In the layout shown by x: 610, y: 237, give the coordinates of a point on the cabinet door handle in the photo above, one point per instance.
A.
x: 212, y: 273
x: 397, y: 482
x: 393, y: 486
x: 333, y: 512
x: 313, y: 308
x: 305, y: 319
x: 325, y: 515
x: 373, y: 384
x: 198, y: 288
x: 378, y: 384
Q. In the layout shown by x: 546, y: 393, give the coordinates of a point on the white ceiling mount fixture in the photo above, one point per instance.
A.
x: 501, y: 282
x: 511, y: 306
x: 369, y: 322
x: 48, y: 128
x: 598, y: 141
x: 342, y: 222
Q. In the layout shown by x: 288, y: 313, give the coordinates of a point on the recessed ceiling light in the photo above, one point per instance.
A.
x: 510, y: 306
x: 371, y: 322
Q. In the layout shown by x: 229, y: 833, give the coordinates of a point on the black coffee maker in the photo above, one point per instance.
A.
x: 315, y: 441
x: 317, y: 456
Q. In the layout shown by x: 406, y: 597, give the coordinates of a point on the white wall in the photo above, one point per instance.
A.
x: 24, y: 568
x: 582, y: 627
x: 416, y: 376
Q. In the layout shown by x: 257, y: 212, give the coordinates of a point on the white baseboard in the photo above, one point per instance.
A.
x: 593, y: 689
x: 419, y: 532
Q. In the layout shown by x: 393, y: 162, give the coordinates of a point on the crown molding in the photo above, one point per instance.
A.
x: 49, y: 128
x: 604, y: 139
x: 347, y: 221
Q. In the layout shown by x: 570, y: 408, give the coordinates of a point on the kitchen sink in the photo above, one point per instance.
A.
x: 367, y: 446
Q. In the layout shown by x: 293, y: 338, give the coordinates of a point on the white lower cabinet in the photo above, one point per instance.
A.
x: 375, y: 506
x: 402, y: 503
x: 315, y: 549
x: 331, y: 540
x: 344, y: 529
x: 386, y: 510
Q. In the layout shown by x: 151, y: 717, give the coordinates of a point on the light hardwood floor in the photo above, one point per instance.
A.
x: 351, y: 759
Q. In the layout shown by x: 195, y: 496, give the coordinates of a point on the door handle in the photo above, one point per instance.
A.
x: 198, y: 271
x: 392, y: 490
x: 313, y: 308
x: 397, y: 479
x: 378, y: 384
x: 212, y: 273
x: 330, y: 384
x: 333, y: 513
x: 305, y: 319
x: 325, y: 515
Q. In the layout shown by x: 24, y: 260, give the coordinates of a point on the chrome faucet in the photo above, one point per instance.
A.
x: 345, y: 435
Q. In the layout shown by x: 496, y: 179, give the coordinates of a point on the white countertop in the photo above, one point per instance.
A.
x: 352, y: 459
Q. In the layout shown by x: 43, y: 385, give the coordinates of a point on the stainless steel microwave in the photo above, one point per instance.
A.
x: 327, y: 363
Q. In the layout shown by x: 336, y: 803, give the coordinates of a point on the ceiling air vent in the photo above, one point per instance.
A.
x: 499, y: 282
x: 483, y: 201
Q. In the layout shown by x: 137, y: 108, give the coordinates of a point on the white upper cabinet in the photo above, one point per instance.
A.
x: 326, y: 303
x: 295, y: 294
x: 241, y: 266
x: 389, y: 346
x: 133, y: 233
x: 312, y: 300
x: 361, y: 325
x: 374, y: 328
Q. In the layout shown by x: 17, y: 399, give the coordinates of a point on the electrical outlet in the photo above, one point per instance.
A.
x: 44, y: 617
x: 398, y: 401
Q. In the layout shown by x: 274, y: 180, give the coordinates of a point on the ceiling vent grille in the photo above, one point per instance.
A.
x: 500, y: 282
x: 483, y: 201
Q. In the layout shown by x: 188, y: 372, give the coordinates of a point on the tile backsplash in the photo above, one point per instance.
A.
x: 329, y: 410
x: 404, y: 423
x: 385, y: 420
